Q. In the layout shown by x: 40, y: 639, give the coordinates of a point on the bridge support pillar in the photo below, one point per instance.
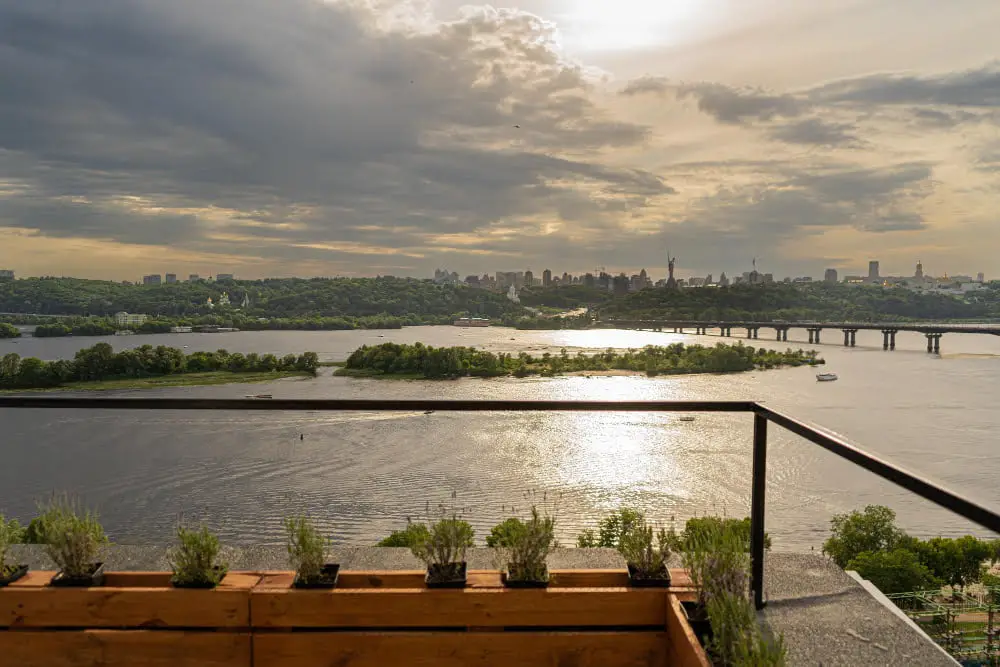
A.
x: 892, y: 339
x: 934, y: 343
x: 755, y: 332
x: 854, y: 333
x: 847, y: 338
x: 810, y: 335
x: 777, y: 333
x: 749, y: 332
x: 889, y: 339
x: 784, y: 334
x: 885, y: 339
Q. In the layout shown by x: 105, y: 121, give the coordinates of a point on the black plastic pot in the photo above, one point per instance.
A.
x: 660, y: 580
x: 524, y: 583
x: 697, y: 618
x: 451, y: 575
x: 95, y: 578
x: 327, y: 578
x: 220, y: 570
x: 13, y: 574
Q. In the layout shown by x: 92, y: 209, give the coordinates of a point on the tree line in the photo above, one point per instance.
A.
x: 101, y: 362
x: 451, y: 362
x: 280, y: 298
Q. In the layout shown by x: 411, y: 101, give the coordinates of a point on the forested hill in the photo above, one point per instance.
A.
x: 800, y: 302
x: 285, y: 297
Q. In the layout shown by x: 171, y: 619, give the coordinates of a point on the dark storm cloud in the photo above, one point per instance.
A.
x: 293, y: 111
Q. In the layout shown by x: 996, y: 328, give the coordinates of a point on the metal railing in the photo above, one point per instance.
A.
x: 762, y: 416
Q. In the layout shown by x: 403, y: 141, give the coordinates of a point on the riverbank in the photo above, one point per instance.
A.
x: 161, y: 381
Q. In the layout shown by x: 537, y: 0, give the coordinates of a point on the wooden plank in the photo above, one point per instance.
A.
x: 489, y: 607
x: 685, y: 649
x: 125, y: 648
x: 417, y: 649
x: 32, y: 606
x: 588, y: 578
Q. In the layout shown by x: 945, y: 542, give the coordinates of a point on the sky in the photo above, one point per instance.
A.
x: 364, y: 137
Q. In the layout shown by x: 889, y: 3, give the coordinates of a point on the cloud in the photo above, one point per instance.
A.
x: 739, y: 106
x: 975, y: 88
x: 646, y: 85
x: 240, y: 126
x: 817, y: 132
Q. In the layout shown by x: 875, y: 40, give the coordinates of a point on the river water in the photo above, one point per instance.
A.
x: 360, y: 475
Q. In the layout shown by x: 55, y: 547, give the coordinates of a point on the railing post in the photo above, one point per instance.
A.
x: 757, y: 509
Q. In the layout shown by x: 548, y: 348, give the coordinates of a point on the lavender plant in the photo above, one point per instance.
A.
x: 72, y: 537
x: 10, y: 533
x: 717, y: 561
x: 306, y: 548
x: 194, y: 560
x: 442, y: 548
x: 647, y: 559
x: 527, y: 545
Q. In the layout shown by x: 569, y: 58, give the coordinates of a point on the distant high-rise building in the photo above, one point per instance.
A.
x: 529, y: 278
x: 171, y: 278
x: 6, y: 274
x: 472, y: 281
x: 708, y: 279
x: 873, y: 270
x: 919, y: 275
x: 980, y: 277
x: 830, y: 276
x: 566, y: 279
x: 225, y: 276
x: 546, y: 278
x: 153, y: 279
x: 621, y: 285
x: 589, y: 280
x: 723, y: 280
x: 194, y: 278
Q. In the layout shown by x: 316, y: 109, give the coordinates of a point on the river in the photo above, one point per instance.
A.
x: 360, y: 475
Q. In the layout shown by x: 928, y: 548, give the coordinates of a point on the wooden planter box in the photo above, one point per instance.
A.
x: 136, y: 618
x: 586, y: 618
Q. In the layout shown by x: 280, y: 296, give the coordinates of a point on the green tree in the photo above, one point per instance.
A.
x: 871, y: 530
x: 9, y: 331
x: 894, y: 571
x: 503, y: 534
x: 956, y: 562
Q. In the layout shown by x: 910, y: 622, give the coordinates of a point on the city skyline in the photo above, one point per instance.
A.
x: 403, y: 135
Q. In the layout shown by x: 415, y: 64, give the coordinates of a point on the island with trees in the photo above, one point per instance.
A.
x: 392, y: 360
x: 100, y: 367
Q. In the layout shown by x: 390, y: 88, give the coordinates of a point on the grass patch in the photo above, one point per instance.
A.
x: 332, y: 364
x: 180, y: 380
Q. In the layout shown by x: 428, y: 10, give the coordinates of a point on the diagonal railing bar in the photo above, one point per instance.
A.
x: 935, y: 493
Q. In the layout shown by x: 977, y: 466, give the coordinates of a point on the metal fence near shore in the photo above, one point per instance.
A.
x: 762, y: 417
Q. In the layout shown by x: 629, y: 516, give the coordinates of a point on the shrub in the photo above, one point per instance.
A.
x: 637, y: 547
x: 10, y: 533
x: 413, y: 534
x: 699, y: 524
x: 529, y: 544
x: 445, y: 543
x: 504, y: 533
x: 306, y: 548
x: 611, y: 529
x: 72, y: 537
x: 897, y: 571
x: 194, y: 559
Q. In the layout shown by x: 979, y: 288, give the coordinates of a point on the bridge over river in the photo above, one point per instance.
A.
x: 932, y: 330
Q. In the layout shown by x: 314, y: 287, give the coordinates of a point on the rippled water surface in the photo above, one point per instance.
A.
x: 361, y: 475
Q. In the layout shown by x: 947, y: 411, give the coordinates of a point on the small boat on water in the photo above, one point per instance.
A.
x: 826, y: 377
x: 687, y: 418
x: 259, y: 396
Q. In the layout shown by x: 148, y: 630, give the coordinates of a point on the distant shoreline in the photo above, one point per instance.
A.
x: 160, y: 381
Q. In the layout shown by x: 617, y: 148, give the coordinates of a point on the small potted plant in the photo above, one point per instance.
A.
x: 194, y: 560
x: 307, y: 551
x: 647, y: 562
x: 10, y: 533
x: 443, y: 549
x: 72, y: 538
x: 523, y: 549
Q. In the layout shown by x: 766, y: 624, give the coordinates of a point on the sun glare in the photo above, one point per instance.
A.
x: 598, y: 25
